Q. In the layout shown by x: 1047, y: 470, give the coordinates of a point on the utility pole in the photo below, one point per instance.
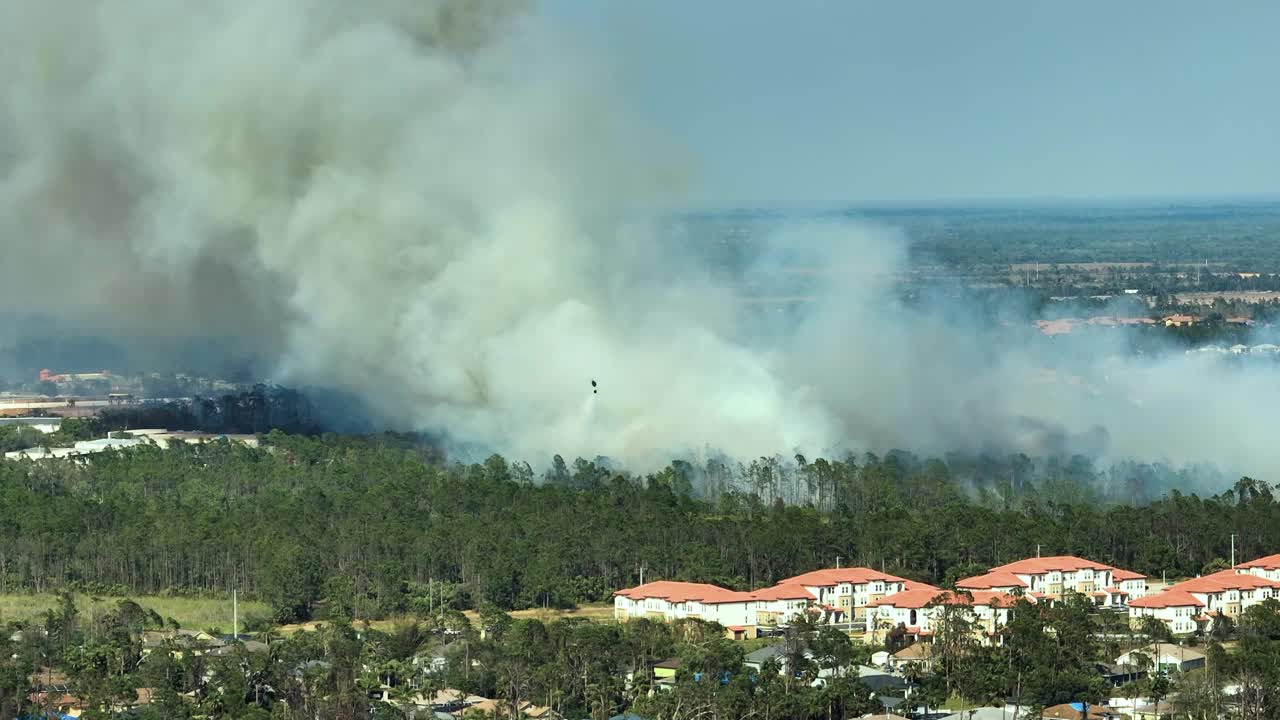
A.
x: 838, y: 559
x: 1038, y: 546
x: 641, y: 573
x: 1233, y: 550
x: 235, y: 615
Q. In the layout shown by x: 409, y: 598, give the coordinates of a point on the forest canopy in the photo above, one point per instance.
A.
x: 380, y: 522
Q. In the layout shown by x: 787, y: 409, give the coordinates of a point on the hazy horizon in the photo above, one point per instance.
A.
x: 824, y: 103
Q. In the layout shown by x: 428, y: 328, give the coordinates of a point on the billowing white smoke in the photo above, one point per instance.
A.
x: 407, y: 199
x: 417, y: 201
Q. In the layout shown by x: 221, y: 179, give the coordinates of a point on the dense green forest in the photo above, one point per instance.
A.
x: 290, y: 521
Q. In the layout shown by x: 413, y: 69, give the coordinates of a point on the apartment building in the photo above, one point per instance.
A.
x: 917, y: 611
x: 1051, y: 577
x: 1229, y: 592
x: 885, y: 601
x: 1178, y: 609
x: 1131, y: 584
x: 851, y: 590
x: 1264, y: 567
x: 669, y: 600
x: 780, y: 604
x: 999, y: 581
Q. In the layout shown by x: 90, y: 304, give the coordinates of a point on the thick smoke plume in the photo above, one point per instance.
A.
x: 408, y: 199
x: 418, y: 202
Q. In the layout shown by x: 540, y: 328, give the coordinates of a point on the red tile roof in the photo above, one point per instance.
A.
x: 679, y: 592
x: 1119, y: 574
x: 1167, y: 599
x: 834, y: 576
x: 783, y: 592
x: 1062, y: 563
x: 991, y: 580
x: 1270, y: 562
x: 1225, y: 580
x: 920, y: 597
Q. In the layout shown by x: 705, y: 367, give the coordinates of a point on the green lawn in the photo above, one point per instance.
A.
x: 191, y: 613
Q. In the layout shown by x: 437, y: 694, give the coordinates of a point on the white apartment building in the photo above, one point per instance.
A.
x: 1051, y: 577
x: 998, y: 581
x: 1229, y: 592
x: 1132, y: 584
x: 670, y: 600
x: 851, y: 590
x: 1264, y: 567
x: 781, y: 604
x: 917, y: 610
x: 1178, y: 609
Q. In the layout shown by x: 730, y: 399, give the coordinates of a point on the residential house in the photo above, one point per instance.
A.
x: 879, y: 681
x: 1118, y: 674
x: 250, y: 646
x: 664, y: 673
x: 983, y: 713
x: 197, y: 642
x: 1176, y: 608
x: 1153, y: 711
x: 502, y: 709
x: 1165, y: 657
x: 63, y: 704
x: 1081, y: 711
x: 1178, y: 321
x: 756, y: 660
x: 851, y: 590
x: 919, y: 653
x: 916, y: 611
x: 1264, y: 567
x: 143, y: 696
x: 447, y: 700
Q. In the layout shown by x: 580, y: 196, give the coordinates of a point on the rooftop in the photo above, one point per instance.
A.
x: 1158, y: 650
x: 1224, y: 580
x: 1061, y: 563
x: 835, y: 576
x: 1167, y: 599
x: 991, y: 580
x: 1270, y: 562
x: 681, y: 592
x: 924, y: 596
x: 783, y: 592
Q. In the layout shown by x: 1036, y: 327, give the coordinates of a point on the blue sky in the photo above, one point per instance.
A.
x: 844, y: 101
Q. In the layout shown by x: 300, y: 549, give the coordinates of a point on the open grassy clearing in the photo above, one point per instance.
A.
x: 601, y: 612
x: 190, y: 613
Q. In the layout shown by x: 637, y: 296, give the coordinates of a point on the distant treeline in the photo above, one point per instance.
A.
x: 258, y: 410
x: 371, y: 520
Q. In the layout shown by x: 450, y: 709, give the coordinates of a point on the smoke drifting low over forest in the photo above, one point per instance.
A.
x: 432, y: 205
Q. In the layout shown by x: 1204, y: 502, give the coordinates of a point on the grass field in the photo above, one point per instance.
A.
x: 191, y: 613
x: 600, y: 613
